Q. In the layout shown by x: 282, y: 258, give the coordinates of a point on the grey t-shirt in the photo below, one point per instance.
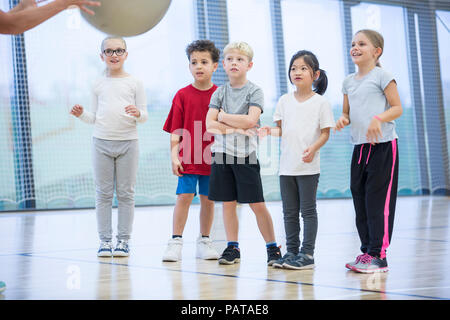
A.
x: 366, y: 99
x: 236, y: 101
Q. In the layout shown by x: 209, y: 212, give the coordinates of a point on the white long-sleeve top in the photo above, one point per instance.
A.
x: 110, y: 96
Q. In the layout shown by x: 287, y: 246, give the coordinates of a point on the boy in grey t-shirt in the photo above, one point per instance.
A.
x: 237, y: 101
x: 233, y: 115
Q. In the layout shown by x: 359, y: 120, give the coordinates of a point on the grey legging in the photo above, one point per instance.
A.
x: 298, y: 194
x: 115, y: 165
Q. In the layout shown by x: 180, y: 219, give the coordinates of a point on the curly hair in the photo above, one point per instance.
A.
x: 202, y: 46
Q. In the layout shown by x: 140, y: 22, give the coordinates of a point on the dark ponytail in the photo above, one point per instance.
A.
x: 321, y: 84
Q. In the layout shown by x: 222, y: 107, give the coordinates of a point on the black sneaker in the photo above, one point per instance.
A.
x: 273, y: 254
x: 230, y: 255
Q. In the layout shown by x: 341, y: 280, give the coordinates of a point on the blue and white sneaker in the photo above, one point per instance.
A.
x: 105, y: 249
x: 301, y: 262
x: 122, y: 249
x: 2, y: 286
x: 279, y: 262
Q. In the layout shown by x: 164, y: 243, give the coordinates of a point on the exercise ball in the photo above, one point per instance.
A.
x: 127, y: 17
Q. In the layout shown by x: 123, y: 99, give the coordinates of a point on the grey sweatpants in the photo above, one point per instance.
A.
x: 298, y: 194
x: 115, y: 166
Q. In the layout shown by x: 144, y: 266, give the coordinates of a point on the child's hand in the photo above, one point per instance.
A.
x: 132, y: 111
x: 77, y: 110
x: 248, y: 132
x: 374, y: 131
x: 252, y: 131
x: 341, y: 123
x: 308, y: 154
x: 220, y: 115
x: 264, y: 131
x: 177, y: 167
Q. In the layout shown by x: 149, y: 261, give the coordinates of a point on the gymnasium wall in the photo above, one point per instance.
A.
x: 45, y: 153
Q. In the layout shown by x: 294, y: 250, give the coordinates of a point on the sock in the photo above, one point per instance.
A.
x: 271, y: 244
x: 176, y: 236
x: 205, y: 236
x: 233, y: 243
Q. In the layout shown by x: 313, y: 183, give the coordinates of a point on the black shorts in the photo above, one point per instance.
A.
x: 235, y: 179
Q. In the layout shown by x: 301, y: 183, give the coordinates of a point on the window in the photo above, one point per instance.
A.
x: 7, y: 176
x: 388, y: 20
x: 257, y: 31
x: 307, y: 25
x: 63, y: 61
x: 443, y: 30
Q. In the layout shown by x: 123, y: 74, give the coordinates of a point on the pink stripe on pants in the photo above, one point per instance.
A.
x: 387, y: 203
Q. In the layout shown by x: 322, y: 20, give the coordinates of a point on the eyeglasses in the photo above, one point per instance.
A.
x: 110, y: 52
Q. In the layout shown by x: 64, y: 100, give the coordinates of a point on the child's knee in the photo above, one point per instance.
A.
x: 205, y: 199
x: 125, y: 197
x: 104, y: 194
x: 185, y: 198
x: 258, y: 208
x: 308, y: 211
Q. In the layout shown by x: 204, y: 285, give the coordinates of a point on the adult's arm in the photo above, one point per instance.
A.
x: 26, y: 15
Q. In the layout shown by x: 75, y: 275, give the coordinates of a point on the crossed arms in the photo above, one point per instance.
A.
x: 220, y: 122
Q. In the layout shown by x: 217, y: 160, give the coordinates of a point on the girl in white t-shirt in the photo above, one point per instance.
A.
x: 118, y: 104
x: 303, y: 119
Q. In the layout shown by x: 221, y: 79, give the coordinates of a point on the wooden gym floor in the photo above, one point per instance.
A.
x: 52, y: 255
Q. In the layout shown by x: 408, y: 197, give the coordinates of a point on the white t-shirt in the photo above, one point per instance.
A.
x: 110, y: 96
x: 301, y: 123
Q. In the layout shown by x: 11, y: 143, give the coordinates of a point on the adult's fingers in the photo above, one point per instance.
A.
x: 88, y: 11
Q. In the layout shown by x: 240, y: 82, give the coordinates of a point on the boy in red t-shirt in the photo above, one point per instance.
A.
x: 190, y: 149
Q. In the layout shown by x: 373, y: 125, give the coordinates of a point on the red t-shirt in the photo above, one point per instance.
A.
x: 187, y: 119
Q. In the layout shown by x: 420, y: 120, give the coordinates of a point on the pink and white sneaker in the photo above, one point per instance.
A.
x: 351, y: 265
x: 370, y: 264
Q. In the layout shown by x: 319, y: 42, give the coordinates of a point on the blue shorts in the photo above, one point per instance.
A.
x: 188, y: 184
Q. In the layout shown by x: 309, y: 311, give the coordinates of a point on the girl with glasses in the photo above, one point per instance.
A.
x: 118, y: 105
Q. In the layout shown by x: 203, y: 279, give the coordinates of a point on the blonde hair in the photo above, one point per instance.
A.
x: 105, y: 72
x: 376, y: 39
x: 242, y: 47
x: 113, y: 38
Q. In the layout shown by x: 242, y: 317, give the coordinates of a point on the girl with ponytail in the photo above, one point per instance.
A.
x: 370, y: 106
x: 303, y: 120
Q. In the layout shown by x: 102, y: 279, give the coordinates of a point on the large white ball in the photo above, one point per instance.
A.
x: 127, y: 17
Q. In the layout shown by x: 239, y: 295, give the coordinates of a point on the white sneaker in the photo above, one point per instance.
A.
x: 105, y: 249
x: 205, y: 249
x: 173, y: 250
x: 122, y: 249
